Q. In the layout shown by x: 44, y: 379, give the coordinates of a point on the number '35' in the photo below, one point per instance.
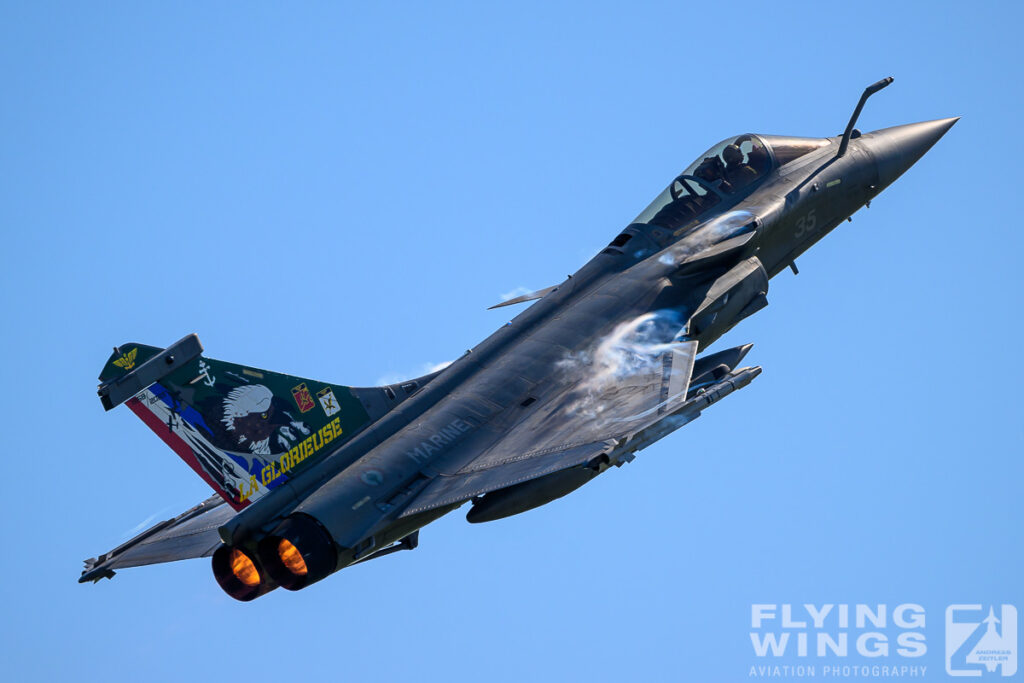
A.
x: 806, y: 224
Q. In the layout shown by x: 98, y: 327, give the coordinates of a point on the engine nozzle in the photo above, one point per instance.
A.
x: 298, y: 552
x: 239, y: 574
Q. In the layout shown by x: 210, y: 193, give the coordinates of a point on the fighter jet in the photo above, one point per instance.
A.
x: 311, y: 477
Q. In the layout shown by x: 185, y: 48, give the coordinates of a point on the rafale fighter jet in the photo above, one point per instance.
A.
x: 311, y: 476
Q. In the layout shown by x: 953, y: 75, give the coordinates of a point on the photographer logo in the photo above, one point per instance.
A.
x: 981, y: 640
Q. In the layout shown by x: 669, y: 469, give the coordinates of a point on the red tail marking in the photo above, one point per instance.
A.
x: 183, y: 450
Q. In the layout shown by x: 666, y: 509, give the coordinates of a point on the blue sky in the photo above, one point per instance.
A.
x: 340, y: 191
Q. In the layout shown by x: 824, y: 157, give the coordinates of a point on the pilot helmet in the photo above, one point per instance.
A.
x: 710, y: 169
x: 732, y: 155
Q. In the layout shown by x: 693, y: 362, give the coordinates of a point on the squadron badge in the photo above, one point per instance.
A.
x: 127, y: 360
x: 303, y: 399
x: 327, y: 400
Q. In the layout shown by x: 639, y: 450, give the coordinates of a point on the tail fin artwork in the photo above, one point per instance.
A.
x: 245, y: 431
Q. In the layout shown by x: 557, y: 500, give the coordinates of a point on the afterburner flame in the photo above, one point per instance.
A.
x: 291, y: 558
x: 243, y: 568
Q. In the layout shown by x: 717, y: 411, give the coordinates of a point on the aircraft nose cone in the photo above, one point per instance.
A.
x: 898, y: 148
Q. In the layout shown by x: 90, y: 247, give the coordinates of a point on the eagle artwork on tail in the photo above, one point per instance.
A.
x: 252, y: 414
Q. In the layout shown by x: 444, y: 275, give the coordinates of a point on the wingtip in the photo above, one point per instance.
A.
x: 95, y: 574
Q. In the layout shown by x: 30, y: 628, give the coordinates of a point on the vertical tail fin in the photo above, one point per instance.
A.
x: 245, y: 431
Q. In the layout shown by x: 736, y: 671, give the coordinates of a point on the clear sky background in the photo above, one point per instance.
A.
x: 339, y: 191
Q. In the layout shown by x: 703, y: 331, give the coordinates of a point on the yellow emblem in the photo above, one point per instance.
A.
x: 127, y: 360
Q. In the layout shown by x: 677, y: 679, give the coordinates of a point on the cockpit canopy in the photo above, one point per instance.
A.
x: 724, y: 173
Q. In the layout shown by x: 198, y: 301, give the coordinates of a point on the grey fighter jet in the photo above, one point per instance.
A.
x: 311, y: 477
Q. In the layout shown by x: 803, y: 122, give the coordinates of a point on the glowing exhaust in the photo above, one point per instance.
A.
x: 243, y: 568
x: 291, y: 558
x: 239, y: 574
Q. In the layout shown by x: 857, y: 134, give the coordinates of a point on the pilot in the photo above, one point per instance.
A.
x: 712, y: 171
x: 758, y: 158
x: 737, y: 173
